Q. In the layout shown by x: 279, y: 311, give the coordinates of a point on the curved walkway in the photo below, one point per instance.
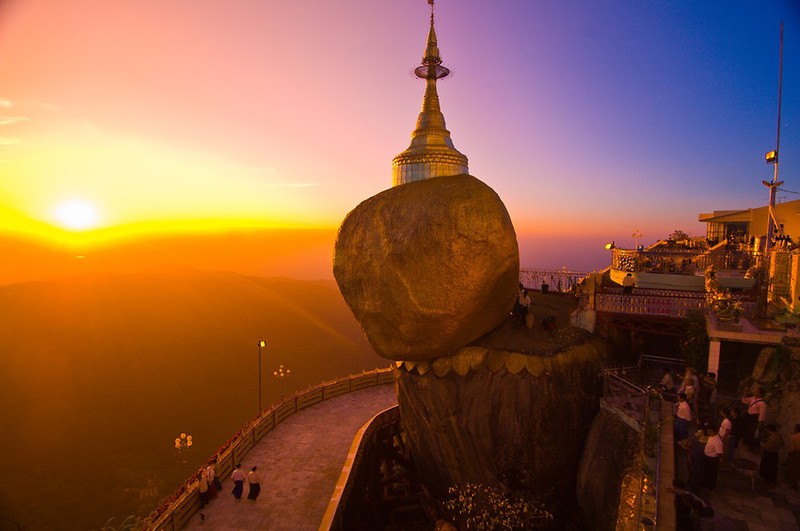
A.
x: 299, y: 461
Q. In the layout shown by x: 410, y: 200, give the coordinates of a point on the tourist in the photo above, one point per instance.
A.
x: 202, y: 488
x: 768, y: 469
x: 756, y: 415
x: 713, y: 453
x: 667, y: 383
x: 524, y: 305
x: 697, y: 460
x: 794, y: 458
x: 254, y: 482
x: 517, y: 304
x: 211, y: 477
x: 628, y: 283
x: 683, y: 417
x: 238, y: 478
x: 690, y: 386
x: 725, y: 433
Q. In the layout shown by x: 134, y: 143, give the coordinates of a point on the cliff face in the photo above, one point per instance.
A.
x: 607, y: 468
x: 496, y: 417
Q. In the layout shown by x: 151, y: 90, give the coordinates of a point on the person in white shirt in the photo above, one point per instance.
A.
x: 238, y: 478
x: 713, y: 453
x: 524, y: 305
x: 682, y: 419
x: 725, y: 432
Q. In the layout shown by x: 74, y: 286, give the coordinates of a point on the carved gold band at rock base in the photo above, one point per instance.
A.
x: 478, y: 359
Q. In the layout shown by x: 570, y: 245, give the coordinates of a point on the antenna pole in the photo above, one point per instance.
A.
x: 772, y: 224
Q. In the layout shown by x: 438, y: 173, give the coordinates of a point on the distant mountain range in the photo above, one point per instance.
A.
x: 295, y: 253
x: 101, y: 372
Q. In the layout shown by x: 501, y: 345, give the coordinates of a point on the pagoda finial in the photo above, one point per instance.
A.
x: 431, y: 62
x: 431, y: 153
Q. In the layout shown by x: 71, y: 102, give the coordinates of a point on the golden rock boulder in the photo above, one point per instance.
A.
x: 428, y: 266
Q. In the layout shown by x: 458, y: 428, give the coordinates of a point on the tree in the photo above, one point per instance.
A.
x: 678, y: 235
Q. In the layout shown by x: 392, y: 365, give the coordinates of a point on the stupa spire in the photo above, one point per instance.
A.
x: 431, y: 153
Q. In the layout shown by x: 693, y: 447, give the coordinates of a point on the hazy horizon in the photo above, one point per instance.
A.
x: 303, y: 254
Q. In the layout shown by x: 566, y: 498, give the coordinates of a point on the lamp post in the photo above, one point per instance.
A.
x: 182, y: 443
x: 261, y: 344
x: 280, y: 374
x: 636, y: 235
x: 772, y: 158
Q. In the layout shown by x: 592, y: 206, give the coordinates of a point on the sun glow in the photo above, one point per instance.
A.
x: 77, y: 215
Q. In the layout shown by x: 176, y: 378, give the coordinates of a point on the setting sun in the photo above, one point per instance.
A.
x: 77, y: 214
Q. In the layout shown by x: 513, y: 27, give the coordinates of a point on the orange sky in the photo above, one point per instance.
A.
x: 589, y: 121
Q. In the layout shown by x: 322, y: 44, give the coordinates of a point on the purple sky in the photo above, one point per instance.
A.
x: 590, y: 119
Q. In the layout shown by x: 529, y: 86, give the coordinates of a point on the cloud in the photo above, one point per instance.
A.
x: 6, y: 103
x: 11, y: 120
x: 9, y: 141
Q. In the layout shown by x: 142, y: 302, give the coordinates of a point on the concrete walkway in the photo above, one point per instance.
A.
x: 752, y: 505
x: 299, y: 462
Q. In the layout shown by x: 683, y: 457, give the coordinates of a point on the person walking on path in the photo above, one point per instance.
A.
x: 254, y: 482
x: 238, y: 478
x: 768, y: 469
x: 794, y: 458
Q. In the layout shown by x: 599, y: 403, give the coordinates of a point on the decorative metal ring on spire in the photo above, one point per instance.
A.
x: 431, y: 67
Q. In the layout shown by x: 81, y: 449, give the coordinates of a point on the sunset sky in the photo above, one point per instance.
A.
x: 590, y: 119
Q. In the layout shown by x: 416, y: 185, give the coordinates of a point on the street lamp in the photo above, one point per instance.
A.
x: 280, y: 374
x: 184, y: 442
x: 636, y: 235
x: 261, y: 344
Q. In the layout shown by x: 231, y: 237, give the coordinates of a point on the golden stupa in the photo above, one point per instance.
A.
x: 431, y: 153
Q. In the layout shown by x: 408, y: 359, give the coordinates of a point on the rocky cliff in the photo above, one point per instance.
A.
x: 494, y: 417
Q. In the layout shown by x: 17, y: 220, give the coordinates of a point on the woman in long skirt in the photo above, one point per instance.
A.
x: 238, y: 478
x: 254, y: 482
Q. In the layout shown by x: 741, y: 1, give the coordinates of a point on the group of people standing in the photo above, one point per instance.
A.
x: 208, y: 483
x: 719, y: 432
